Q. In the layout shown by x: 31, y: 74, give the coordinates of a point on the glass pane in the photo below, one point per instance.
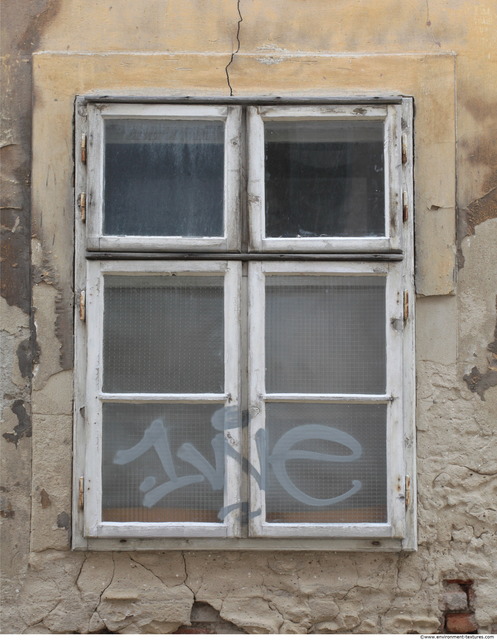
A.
x: 326, y: 463
x: 325, y: 334
x: 164, y: 177
x: 162, y: 463
x: 324, y: 178
x: 163, y: 334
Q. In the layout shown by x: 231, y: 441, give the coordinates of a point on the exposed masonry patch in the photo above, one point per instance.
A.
x: 237, y: 48
x: 23, y: 429
x: 459, y: 607
x: 480, y: 382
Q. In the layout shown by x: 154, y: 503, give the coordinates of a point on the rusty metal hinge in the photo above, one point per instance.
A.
x: 406, y: 306
x: 82, y: 305
x: 83, y: 148
x: 82, y: 206
x: 405, y: 206
x: 407, y: 491
x: 81, y: 493
x: 404, y: 148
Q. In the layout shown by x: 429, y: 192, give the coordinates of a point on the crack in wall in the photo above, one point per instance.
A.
x: 233, y: 54
x: 104, y: 590
x: 85, y: 558
x: 429, y: 24
x: 186, y: 578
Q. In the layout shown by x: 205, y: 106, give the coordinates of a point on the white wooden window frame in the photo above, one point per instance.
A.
x: 399, y: 533
x: 95, y: 397
x: 392, y: 397
x: 98, y: 113
x: 390, y: 115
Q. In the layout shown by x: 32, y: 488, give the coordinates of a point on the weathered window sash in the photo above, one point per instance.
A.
x: 94, y: 526
x: 389, y: 115
x: 392, y: 398
x: 229, y: 115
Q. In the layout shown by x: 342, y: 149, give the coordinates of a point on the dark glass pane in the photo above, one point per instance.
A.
x: 163, y: 334
x: 324, y: 178
x: 164, y: 178
x: 325, y: 334
x: 326, y: 463
x: 162, y: 463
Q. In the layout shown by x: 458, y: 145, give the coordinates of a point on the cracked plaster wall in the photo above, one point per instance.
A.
x: 442, y: 52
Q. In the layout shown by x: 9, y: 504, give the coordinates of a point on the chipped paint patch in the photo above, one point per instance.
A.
x: 6, y: 510
x: 270, y: 60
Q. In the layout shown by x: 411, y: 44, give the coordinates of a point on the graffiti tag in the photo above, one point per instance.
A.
x: 156, y: 437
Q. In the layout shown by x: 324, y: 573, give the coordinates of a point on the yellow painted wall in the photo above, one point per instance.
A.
x: 444, y: 54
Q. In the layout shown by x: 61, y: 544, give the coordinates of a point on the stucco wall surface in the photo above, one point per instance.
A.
x: 442, y: 52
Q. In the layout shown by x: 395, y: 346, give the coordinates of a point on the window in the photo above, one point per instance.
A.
x: 244, y: 324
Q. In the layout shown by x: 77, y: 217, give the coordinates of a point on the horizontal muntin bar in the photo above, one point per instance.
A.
x: 330, y: 398
x: 248, y: 100
x: 245, y: 257
x: 164, y: 398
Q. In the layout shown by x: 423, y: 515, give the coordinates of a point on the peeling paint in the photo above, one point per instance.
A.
x: 28, y: 353
x: 484, y: 208
x: 64, y: 329
x: 63, y: 521
x: 15, y: 285
x: 24, y: 358
x: 480, y: 382
x: 23, y: 429
x: 44, y: 499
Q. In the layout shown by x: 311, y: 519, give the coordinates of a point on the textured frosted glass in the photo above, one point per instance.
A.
x: 325, y: 334
x: 324, y: 178
x: 163, y: 178
x: 163, y: 334
x: 162, y: 463
x: 326, y: 463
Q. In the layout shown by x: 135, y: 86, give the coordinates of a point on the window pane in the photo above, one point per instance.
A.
x: 325, y: 463
x: 162, y: 463
x: 164, y: 334
x: 325, y: 334
x: 324, y: 178
x: 164, y: 178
